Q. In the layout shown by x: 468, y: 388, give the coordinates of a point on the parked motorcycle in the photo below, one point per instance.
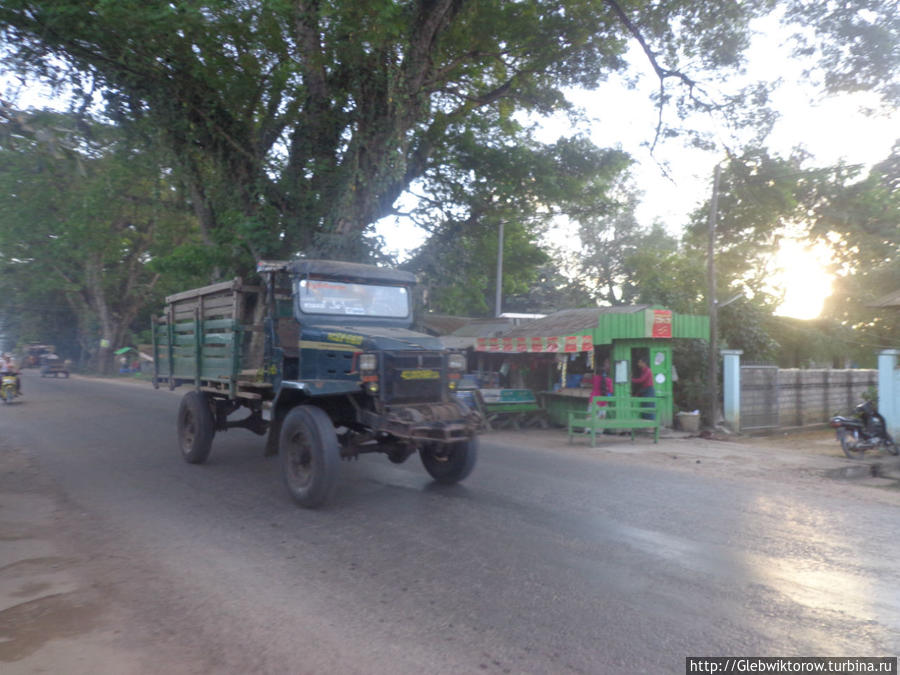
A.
x: 865, y: 430
x: 8, y: 388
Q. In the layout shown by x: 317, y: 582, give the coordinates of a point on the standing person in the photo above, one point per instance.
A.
x: 643, y: 386
x: 600, y: 386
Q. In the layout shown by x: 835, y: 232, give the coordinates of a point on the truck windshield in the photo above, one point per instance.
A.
x: 323, y: 296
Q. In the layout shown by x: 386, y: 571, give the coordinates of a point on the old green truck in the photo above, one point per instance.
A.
x: 322, y: 358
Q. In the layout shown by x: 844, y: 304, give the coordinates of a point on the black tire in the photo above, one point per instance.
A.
x: 849, y: 443
x: 450, y: 463
x: 309, y: 455
x: 891, y: 446
x: 196, y: 427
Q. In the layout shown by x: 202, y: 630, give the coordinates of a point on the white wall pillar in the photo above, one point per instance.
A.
x: 889, y: 390
x: 731, y: 387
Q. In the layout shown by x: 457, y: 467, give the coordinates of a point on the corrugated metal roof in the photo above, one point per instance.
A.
x: 484, y: 328
x: 453, y: 342
x: 443, y: 324
x: 570, y: 321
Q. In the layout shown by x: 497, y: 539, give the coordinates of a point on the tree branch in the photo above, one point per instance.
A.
x: 662, y: 73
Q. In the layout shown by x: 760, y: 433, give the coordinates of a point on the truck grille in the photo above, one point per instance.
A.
x: 411, y: 377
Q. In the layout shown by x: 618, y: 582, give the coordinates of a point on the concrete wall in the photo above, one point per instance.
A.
x: 773, y: 398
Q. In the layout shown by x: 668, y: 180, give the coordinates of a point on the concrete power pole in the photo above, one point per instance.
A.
x: 713, y: 363
x: 497, y: 302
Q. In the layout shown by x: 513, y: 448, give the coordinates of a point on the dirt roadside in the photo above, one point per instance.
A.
x: 796, y: 458
x: 58, y: 614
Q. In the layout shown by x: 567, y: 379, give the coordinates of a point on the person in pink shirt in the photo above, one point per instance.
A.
x: 643, y: 385
x: 602, y: 386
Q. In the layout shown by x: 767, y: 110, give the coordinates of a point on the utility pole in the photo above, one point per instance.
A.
x: 713, y: 362
x: 497, y: 303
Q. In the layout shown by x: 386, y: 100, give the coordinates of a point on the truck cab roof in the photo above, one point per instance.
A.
x: 335, y: 269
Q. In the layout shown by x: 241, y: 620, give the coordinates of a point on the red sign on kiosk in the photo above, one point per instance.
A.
x: 660, y: 323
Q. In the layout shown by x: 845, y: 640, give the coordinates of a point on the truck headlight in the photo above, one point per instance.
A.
x: 368, y: 361
x: 456, y: 362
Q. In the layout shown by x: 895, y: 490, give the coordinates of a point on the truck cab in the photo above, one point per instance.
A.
x: 346, y: 342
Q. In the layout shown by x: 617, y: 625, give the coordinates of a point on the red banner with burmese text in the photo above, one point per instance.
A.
x: 543, y: 345
x: 659, y: 323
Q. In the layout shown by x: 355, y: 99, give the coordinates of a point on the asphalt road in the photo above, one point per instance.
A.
x: 546, y: 560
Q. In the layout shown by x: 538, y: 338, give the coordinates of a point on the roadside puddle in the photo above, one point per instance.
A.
x: 876, y: 474
x: 27, y: 627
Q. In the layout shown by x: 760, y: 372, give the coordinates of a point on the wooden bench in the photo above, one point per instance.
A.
x: 512, y: 408
x: 618, y: 413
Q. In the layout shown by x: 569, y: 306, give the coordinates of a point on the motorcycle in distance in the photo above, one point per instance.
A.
x: 8, y: 388
x: 865, y: 430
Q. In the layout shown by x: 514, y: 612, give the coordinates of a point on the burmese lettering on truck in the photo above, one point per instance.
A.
x: 320, y: 357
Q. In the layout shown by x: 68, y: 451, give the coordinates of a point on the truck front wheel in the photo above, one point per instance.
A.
x: 450, y: 463
x: 309, y: 455
x: 196, y: 427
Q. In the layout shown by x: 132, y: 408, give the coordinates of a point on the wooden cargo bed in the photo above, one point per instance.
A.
x: 209, y: 337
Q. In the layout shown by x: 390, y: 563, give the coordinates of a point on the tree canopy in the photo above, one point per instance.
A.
x: 88, y: 223
x: 299, y: 124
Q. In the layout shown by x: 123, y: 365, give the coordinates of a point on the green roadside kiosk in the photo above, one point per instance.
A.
x: 574, y: 343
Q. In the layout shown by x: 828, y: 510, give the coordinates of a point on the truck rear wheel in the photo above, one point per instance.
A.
x: 450, y: 463
x: 309, y: 455
x: 196, y: 427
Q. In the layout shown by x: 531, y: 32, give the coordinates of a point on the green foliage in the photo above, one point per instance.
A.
x: 550, y: 292
x: 691, y: 360
x: 459, y: 267
x: 82, y: 230
x: 478, y: 183
x: 860, y: 222
x: 814, y: 343
x: 297, y: 125
x: 608, y: 239
x: 670, y: 278
x: 855, y: 42
x: 763, y: 198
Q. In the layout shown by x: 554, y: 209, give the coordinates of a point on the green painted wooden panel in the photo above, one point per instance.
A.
x: 219, y: 351
x: 213, y: 340
x: 690, y: 326
x: 216, y: 367
x: 558, y: 407
x: 218, y: 325
x: 634, y: 326
x: 618, y: 326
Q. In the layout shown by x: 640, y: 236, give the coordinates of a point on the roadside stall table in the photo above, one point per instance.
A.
x: 512, y: 408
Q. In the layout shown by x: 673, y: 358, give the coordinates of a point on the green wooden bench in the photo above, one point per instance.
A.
x: 618, y: 413
x: 512, y: 408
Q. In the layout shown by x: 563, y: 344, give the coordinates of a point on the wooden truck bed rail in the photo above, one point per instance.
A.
x: 204, y: 339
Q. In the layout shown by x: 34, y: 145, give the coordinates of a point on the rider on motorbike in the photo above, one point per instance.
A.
x: 7, y: 367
